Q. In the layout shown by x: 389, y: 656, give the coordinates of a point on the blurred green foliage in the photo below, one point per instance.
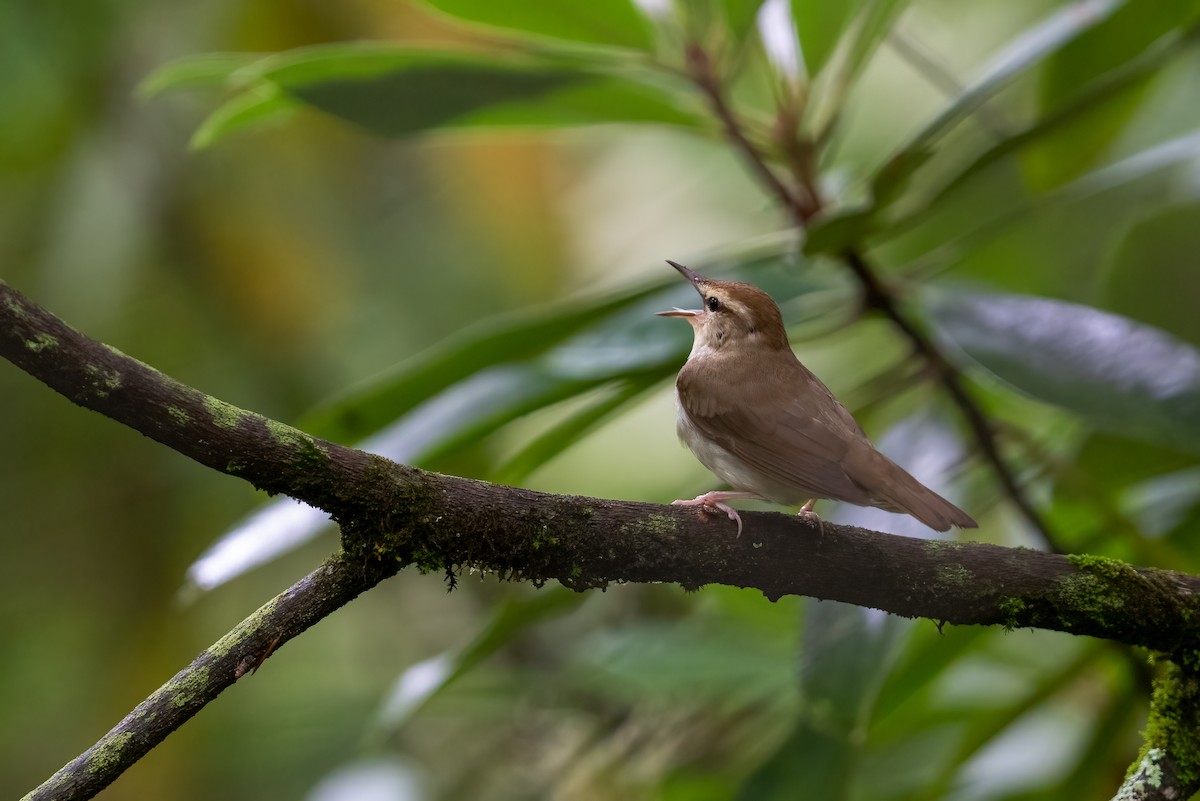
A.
x: 481, y: 274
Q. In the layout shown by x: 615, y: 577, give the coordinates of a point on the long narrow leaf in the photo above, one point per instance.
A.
x: 207, y: 69
x: 464, y: 390
x: 562, y: 436
x: 1020, y: 55
x: 820, y: 26
x: 425, y: 680
x: 1121, y: 375
x: 596, y: 22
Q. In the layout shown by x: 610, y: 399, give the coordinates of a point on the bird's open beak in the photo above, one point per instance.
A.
x: 687, y: 272
x: 695, y: 278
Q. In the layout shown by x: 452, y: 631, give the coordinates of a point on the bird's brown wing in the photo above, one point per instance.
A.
x: 784, y: 424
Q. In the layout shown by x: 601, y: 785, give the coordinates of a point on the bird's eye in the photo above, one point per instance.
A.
x: 713, y: 303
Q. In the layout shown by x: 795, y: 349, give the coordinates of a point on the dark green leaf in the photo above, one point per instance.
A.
x: 1118, y: 374
x: 399, y: 91
x: 820, y: 26
x: 1125, y: 174
x: 834, y: 234
x: 596, y: 22
x: 740, y: 15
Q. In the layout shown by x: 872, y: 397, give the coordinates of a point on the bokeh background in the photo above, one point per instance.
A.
x: 287, y: 266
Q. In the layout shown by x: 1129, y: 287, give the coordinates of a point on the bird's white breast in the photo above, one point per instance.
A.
x: 727, y: 467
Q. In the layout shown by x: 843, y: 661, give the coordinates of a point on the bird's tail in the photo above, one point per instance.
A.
x: 898, y: 491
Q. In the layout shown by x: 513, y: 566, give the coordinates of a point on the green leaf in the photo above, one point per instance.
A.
x: 1154, y: 265
x: 585, y: 340
x: 928, y: 655
x: 1114, y: 90
x: 1130, y: 31
x: 845, y: 653
x: 1073, y: 148
x: 870, y: 29
x: 987, y: 728
x: 820, y: 26
x: 833, y: 234
x: 446, y: 400
x: 365, y: 409
x: 567, y: 433
x: 260, y: 105
x: 1120, y: 375
x: 740, y: 16
x: 596, y: 22
x: 209, y: 69
x: 1125, y: 174
x: 1021, y: 54
x: 426, y: 680
x: 401, y: 91
x: 693, y: 659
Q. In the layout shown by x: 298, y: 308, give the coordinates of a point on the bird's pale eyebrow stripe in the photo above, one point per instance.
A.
x: 736, y: 306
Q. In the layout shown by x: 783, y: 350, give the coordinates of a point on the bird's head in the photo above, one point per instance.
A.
x: 731, y: 313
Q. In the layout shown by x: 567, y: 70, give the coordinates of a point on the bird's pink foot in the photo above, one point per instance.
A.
x: 806, y: 512
x: 713, y: 502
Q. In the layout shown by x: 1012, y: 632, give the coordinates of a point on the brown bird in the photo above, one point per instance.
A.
x: 759, y: 419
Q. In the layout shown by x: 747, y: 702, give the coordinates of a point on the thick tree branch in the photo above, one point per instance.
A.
x: 392, y: 512
x: 876, y: 294
x: 392, y: 515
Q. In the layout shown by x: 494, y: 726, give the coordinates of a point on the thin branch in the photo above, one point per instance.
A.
x: 700, y: 68
x: 239, y: 653
x: 875, y: 293
x: 879, y: 297
x: 392, y: 515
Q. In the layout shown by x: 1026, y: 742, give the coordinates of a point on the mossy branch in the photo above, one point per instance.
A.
x: 237, y: 654
x: 1168, y: 767
x: 393, y: 515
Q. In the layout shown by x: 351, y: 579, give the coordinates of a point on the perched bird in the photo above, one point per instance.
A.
x: 759, y: 419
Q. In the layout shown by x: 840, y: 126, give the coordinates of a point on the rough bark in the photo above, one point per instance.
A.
x: 392, y: 515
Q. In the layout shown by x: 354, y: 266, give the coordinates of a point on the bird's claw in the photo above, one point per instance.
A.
x: 711, y: 505
x: 806, y: 513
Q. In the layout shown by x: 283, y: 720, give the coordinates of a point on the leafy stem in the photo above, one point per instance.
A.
x: 803, y: 204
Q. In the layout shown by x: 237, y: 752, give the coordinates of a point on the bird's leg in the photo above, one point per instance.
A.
x: 712, y: 502
x: 806, y: 512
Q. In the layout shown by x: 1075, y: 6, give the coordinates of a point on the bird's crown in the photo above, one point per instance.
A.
x: 732, y: 311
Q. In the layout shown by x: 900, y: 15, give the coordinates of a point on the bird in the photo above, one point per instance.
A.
x: 768, y: 427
